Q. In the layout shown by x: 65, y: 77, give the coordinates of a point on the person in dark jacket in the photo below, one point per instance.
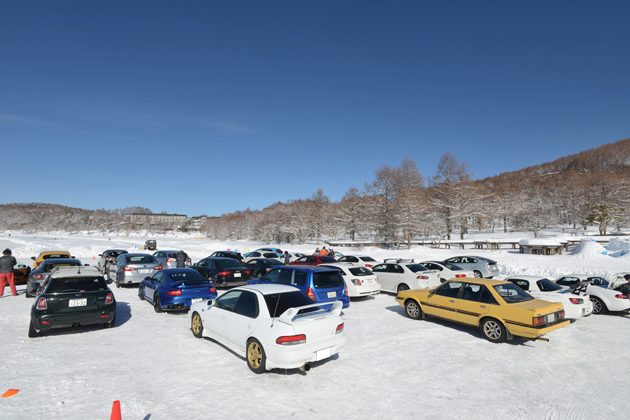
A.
x: 181, y: 259
x: 287, y: 258
x: 6, y: 272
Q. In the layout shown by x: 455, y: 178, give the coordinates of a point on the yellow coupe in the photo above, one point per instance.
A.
x: 499, y: 308
x: 44, y: 255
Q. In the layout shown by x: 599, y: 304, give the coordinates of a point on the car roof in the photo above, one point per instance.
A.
x: 117, y: 249
x: 487, y: 282
x: 138, y: 254
x: 580, y: 276
x: 533, y: 278
x: 81, y: 271
x: 60, y: 260
x: 167, y: 250
x: 178, y: 270
x: 268, y: 289
x: 313, y: 268
x: 54, y: 252
x: 341, y: 264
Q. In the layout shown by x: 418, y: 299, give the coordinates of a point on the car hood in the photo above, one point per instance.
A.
x: 617, y: 280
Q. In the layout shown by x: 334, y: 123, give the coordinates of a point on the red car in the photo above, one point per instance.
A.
x: 313, y: 260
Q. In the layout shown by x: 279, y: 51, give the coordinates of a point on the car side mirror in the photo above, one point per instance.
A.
x: 195, y: 264
x: 147, y: 278
x: 72, y: 256
x: 86, y: 265
x: 33, y: 258
x: 100, y: 255
x: 211, y: 302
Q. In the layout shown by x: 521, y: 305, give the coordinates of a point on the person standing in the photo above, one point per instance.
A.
x: 287, y: 258
x: 181, y: 259
x: 7, y: 274
x: 323, y: 251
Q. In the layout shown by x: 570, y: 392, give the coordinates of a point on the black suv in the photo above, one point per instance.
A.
x: 72, y: 296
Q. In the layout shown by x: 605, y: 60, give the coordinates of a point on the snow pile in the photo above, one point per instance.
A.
x: 588, y: 248
x: 539, y: 242
x: 619, y: 247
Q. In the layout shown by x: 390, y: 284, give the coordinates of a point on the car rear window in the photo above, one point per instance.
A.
x: 547, y: 286
x: 416, y: 267
x: 369, y: 259
x: 360, y: 271
x: 512, y: 294
x: 76, y: 284
x: 141, y: 259
x: 327, y: 280
x: 172, y: 255
x: 229, y: 263
x: 50, y: 266
x: 49, y: 256
x: 187, y: 277
x: 327, y: 259
x: 278, y: 303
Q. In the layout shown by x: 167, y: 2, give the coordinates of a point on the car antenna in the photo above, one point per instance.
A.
x: 274, y: 311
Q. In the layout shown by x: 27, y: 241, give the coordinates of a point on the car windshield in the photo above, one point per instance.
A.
x: 229, y: 263
x: 369, y: 259
x: 512, y: 294
x: 272, y: 262
x: 141, y: 259
x: 327, y: 280
x: 50, y: 266
x: 49, y: 256
x: 278, y: 303
x: 416, y: 267
x: 77, y: 284
x: 188, y: 276
x: 547, y: 286
x: 360, y: 271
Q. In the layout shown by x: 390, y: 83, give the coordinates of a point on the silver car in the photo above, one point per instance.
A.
x: 106, y: 257
x: 168, y: 258
x: 132, y: 268
x: 482, y: 267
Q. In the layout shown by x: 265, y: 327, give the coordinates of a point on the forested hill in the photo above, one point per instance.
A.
x: 606, y: 157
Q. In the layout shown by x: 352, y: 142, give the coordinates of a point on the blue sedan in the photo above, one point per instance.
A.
x: 176, y: 289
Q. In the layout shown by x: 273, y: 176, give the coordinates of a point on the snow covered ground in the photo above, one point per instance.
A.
x: 392, y: 367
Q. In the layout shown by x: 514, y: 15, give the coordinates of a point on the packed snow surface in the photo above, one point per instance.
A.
x: 392, y: 366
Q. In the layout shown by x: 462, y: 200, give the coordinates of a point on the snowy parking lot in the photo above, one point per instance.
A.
x: 392, y: 366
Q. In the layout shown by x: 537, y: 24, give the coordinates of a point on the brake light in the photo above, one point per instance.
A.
x: 44, y: 322
x: 170, y: 260
x: 188, y: 260
x: 41, y: 303
x: 538, y: 320
x: 38, y: 276
x: 310, y: 294
x: 376, y: 279
x: 561, y: 314
x: 104, y: 316
x: 576, y: 301
x: 213, y: 290
x: 345, y: 290
x: 356, y: 282
x: 291, y: 340
x: 129, y: 269
x: 460, y: 275
x: 224, y: 273
x: 340, y: 328
x: 369, y: 265
x: 109, y: 299
x: 622, y: 296
x: 159, y: 267
x: 246, y: 271
x: 422, y: 277
x: 174, y: 292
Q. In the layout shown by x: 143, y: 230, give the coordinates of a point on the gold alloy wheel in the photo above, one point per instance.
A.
x: 254, y: 355
x: 196, y: 324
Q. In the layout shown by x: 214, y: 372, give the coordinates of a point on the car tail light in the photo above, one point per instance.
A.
x: 159, y: 267
x: 104, y: 316
x: 310, y: 294
x: 41, y: 303
x: 44, y: 322
x: 174, y: 292
x: 291, y: 340
x: 422, y: 277
x: 340, y: 328
x: 561, y: 314
x: 213, y: 290
x: 109, y: 299
x: 369, y: 265
x: 246, y: 271
x: 38, y: 276
x: 545, y: 319
x: 622, y: 296
x: 356, y: 282
x: 170, y: 260
x: 224, y: 273
x: 488, y: 266
x: 376, y: 279
x: 576, y: 301
x: 188, y: 260
x: 345, y: 290
x: 129, y: 269
x: 460, y: 275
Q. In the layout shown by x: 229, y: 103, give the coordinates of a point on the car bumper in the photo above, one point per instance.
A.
x: 531, y: 332
x: 572, y: 311
x: 360, y: 291
x: 230, y: 283
x: 292, y: 357
x: 179, y: 303
x: 46, y: 322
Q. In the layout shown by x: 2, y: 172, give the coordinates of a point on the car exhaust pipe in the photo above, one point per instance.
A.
x: 306, y: 367
x: 543, y: 339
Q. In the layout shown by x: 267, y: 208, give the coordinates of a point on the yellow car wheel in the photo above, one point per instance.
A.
x: 493, y: 330
x: 413, y: 310
x: 196, y: 325
x: 256, y: 358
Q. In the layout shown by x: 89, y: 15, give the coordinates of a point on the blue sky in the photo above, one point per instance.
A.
x: 211, y: 107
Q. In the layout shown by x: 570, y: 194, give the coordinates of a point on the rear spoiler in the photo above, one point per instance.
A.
x: 581, y: 287
x: 288, y: 316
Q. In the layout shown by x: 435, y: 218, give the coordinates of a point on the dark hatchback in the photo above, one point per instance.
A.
x: 72, y: 296
x: 227, y: 254
x: 223, y: 272
x: 38, y: 276
x: 259, y: 266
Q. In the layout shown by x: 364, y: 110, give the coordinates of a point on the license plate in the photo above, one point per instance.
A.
x: 144, y: 271
x: 322, y: 354
x: 332, y: 294
x: 551, y: 317
x: 237, y: 274
x: 195, y: 300
x: 77, y: 302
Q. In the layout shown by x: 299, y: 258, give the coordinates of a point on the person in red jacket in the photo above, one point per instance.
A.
x: 6, y: 272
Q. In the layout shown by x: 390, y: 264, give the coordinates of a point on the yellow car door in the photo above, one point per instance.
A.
x: 475, y: 301
x: 442, y: 302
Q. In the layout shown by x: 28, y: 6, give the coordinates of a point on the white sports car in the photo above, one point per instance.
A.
x: 447, y: 270
x: 396, y: 275
x: 364, y: 260
x: 602, y: 292
x: 272, y: 326
x: 360, y: 281
x: 577, y: 303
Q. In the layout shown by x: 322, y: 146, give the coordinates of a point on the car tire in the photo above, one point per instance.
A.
x: 196, y: 325
x: 478, y: 274
x: 141, y: 293
x: 493, y: 330
x: 27, y: 294
x: 402, y: 287
x: 413, y: 309
x: 110, y: 324
x: 32, y: 332
x: 599, y: 307
x: 256, y: 358
x: 258, y: 275
x: 156, y: 304
x: 118, y: 280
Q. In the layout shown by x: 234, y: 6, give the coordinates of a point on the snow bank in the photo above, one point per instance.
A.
x: 539, y: 242
x: 588, y: 248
